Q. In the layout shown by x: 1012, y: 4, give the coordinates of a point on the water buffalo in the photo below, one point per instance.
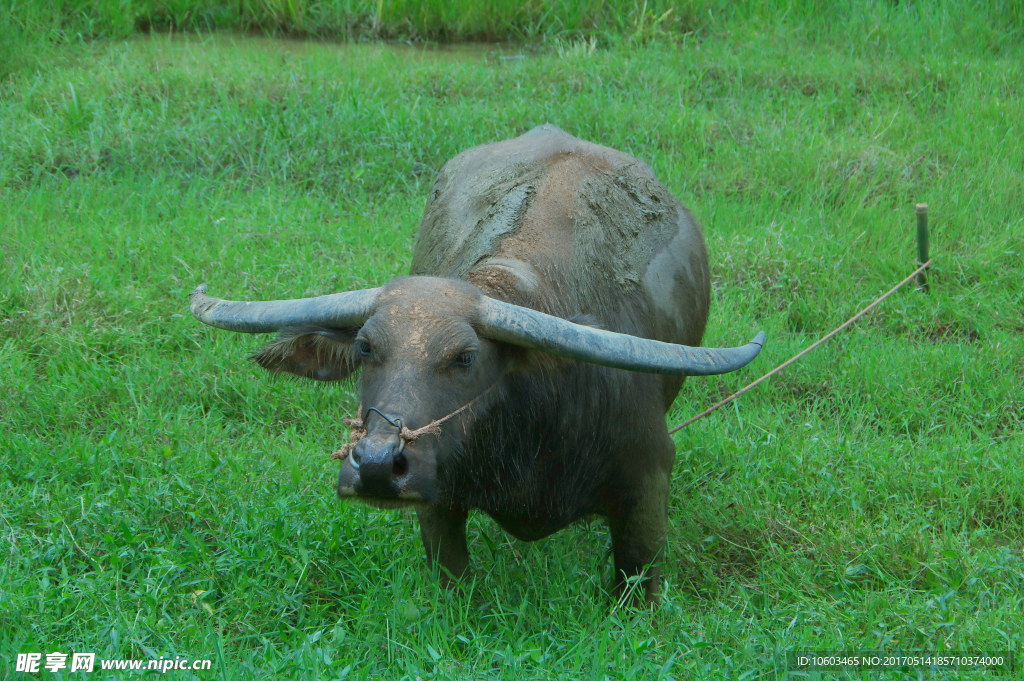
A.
x: 558, y: 290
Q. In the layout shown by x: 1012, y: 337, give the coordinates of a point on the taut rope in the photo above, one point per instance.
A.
x: 800, y: 354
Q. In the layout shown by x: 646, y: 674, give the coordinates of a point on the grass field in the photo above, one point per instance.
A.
x: 159, y: 496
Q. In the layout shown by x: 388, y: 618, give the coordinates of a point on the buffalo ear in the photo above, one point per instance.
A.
x: 311, y: 352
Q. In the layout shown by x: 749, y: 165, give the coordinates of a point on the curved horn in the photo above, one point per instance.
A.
x: 338, y: 310
x: 539, y: 331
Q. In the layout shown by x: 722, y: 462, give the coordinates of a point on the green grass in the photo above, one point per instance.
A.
x: 160, y: 496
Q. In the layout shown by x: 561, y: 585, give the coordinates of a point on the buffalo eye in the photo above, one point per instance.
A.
x: 364, y: 349
x: 464, y: 359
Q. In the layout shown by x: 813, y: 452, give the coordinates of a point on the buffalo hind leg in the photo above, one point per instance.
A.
x: 638, y: 540
x: 444, y: 537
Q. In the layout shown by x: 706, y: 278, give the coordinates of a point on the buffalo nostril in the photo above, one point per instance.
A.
x: 356, y: 458
x: 400, y: 465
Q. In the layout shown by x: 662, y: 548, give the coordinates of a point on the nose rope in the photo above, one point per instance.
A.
x: 357, y: 429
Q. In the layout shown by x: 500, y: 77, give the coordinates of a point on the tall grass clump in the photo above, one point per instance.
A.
x: 970, y: 22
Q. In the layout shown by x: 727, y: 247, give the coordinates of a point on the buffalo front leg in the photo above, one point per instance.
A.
x: 444, y: 537
x: 639, y: 533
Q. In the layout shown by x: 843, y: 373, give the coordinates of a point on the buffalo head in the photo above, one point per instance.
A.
x: 427, y: 346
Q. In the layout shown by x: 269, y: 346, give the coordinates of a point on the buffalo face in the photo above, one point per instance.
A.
x: 421, y: 358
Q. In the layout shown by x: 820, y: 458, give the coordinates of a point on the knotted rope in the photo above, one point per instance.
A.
x: 357, y: 431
